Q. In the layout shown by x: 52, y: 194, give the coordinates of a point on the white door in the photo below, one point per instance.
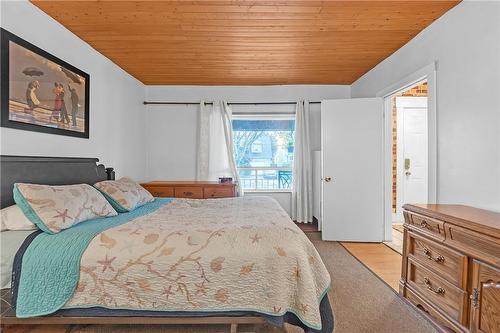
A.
x: 412, y: 179
x: 352, y: 132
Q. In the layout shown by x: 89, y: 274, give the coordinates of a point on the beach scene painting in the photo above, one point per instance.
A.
x: 44, y: 93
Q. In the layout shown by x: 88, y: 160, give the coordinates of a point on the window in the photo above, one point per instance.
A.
x: 264, y: 151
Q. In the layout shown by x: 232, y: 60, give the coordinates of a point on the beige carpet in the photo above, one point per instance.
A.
x: 361, y: 303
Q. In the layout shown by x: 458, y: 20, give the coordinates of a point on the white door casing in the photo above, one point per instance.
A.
x: 352, y: 134
x: 412, y: 144
x: 429, y: 74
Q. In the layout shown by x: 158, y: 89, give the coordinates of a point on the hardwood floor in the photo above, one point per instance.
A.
x: 380, y: 259
x: 308, y: 227
x: 397, y: 238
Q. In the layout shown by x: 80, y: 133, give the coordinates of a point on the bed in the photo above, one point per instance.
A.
x: 231, y: 261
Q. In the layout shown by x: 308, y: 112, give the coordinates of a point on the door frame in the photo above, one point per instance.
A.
x: 429, y: 74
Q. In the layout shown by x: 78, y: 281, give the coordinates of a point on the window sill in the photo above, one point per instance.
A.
x: 267, y: 191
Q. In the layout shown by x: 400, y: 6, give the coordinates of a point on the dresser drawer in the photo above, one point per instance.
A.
x: 428, y: 226
x: 447, y: 263
x: 478, y: 245
x: 189, y: 192
x: 160, y: 191
x: 444, y: 295
x: 424, y: 306
x: 218, y: 192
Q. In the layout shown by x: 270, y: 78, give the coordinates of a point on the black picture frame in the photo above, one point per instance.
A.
x: 5, y: 38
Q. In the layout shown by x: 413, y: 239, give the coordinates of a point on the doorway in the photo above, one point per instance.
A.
x: 409, y: 153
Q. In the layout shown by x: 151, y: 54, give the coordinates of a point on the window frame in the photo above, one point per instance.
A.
x: 265, y: 116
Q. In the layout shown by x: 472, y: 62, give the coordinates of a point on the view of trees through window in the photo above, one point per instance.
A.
x: 264, y: 152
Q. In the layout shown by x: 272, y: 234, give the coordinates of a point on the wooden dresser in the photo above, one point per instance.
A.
x: 190, y: 189
x: 451, y: 265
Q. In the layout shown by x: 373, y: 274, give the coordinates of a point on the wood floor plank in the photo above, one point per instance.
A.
x: 380, y: 259
x: 397, y: 241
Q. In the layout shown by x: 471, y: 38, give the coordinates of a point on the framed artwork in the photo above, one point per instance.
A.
x: 41, y: 92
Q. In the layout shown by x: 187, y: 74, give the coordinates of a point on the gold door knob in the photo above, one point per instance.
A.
x: 328, y: 179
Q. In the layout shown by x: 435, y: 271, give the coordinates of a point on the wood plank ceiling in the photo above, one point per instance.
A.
x: 255, y: 42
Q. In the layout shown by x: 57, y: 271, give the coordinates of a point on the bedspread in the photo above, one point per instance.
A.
x: 236, y: 254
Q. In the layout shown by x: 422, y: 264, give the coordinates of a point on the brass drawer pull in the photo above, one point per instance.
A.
x: 426, y: 225
x: 439, y: 259
x: 188, y: 194
x: 438, y: 290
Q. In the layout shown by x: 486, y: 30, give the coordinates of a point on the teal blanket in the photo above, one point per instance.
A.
x: 51, y: 264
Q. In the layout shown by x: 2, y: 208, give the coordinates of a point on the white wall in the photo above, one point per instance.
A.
x: 117, y: 115
x: 171, y: 129
x: 465, y: 43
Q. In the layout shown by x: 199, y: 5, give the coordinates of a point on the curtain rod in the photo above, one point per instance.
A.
x: 230, y: 103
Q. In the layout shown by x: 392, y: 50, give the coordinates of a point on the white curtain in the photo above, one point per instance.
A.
x: 215, y: 144
x: 302, y: 193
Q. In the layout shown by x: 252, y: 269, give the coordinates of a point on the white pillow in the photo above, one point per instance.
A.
x: 55, y: 208
x: 13, y: 218
x: 124, y: 194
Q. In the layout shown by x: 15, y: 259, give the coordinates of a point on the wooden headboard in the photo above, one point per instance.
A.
x: 49, y: 171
